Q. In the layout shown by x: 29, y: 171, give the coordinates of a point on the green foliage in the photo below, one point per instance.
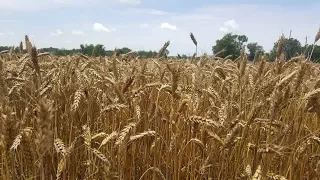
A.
x: 315, y: 57
x: 292, y: 48
x: 60, y: 52
x: 124, y: 50
x: 231, y: 44
x: 147, y: 54
x: 316, y: 54
x: 87, y: 49
x: 254, y: 49
x: 97, y: 50
x: 4, y: 48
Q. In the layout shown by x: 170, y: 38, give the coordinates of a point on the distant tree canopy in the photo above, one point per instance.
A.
x: 231, y: 44
x: 90, y: 50
x: 292, y: 48
x: 99, y: 50
x: 315, y: 57
x: 254, y: 49
x: 3, y: 48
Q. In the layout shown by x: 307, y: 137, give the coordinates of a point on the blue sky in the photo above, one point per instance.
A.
x: 147, y: 24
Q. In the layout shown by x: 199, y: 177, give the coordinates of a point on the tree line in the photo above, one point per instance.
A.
x: 229, y: 45
x: 91, y: 50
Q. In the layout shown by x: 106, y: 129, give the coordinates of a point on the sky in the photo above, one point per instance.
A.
x: 148, y: 24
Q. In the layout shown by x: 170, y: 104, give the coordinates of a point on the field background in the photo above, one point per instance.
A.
x: 120, y: 117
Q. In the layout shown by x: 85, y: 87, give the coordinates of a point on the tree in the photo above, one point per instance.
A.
x: 242, y: 39
x: 87, y: 49
x: 254, y: 49
x: 231, y: 44
x: 315, y: 57
x: 184, y: 56
x: 123, y: 50
x: 166, y: 53
x: 292, y: 48
x: 99, y: 50
x: 316, y: 54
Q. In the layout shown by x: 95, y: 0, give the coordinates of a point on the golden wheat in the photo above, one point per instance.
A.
x: 80, y: 117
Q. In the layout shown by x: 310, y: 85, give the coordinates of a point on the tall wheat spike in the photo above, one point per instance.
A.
x: 280, y: 48
x: 163, y: 49
x: 194, y: 42
x: 21, y: 48
x: 317, y: 37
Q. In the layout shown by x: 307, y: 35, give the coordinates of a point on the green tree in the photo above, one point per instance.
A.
x: 242, y: 39
x: 147, y: 54
x: 123, y: 50
x: 292, y: 48
x: 231, y: 44
x: 315, y: 57
x: 254, y: 49
x: 184, y: 56
x: 166, y: 53
x: 87, y: 49
x: 99, y: 50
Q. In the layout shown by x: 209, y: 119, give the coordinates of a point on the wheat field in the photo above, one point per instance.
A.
x: 121, y: 117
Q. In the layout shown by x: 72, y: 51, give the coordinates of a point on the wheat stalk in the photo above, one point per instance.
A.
x: 280, y: 47
x: 163, y: 49
x: 194, y: 42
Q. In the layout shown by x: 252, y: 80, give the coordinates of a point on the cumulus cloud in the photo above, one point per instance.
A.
x: 130, y: 1
x: 224, y: 29
x: 144, y: 25
x: 168, y: 26
x: 158, y: 12
x: 230, y: 25
x: 7, y: 34
x: 99, y: 28
x: 57, y: 33
x: 154, y: 12
x: 78, y: 33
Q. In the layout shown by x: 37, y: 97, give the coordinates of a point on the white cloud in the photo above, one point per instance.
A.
x: 7, y: 34
x: 99, y: 28
x: 130, y: 1
x: 113, y: 29
x: 155, y: 12
x: 224, y: 29
x: 57, y: 33
x: 158, y: 12
x: 168, y: 26
x: 229, y: 26
x: 144, y: 25
x: 53, y: 34
x: 78, y: 33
